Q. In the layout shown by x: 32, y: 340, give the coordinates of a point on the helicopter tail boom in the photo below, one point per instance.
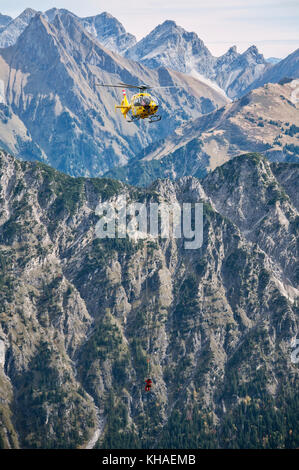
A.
x: 124, y: 106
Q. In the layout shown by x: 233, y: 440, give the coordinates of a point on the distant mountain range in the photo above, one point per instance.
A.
x: 107, y: 29
x: 171, y: 46
x: 168, y: 45
x: 51, y: 109
x: 286, y: 68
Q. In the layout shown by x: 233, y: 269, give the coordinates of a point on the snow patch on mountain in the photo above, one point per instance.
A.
x: 2, y: 92
x: 2, y: 353
x: 208, y: 82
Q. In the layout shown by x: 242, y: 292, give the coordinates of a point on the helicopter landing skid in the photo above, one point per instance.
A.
x: 152, y: 119
x: 155, y: 119
x: 134, y: 118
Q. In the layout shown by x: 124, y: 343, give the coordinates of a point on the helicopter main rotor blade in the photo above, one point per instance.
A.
x: 113, y: 86
x: 170, y: 86
x: 141, y: 87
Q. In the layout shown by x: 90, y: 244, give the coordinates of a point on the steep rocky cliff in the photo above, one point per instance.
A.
x: 80, y: 316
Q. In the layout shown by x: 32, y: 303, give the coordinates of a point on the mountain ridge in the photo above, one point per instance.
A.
x: 170, y: 45
x: 55, y: 87
x: 167, y: 45
x: 287, y: 67
x: 13, y: 29
x: 73, y: 314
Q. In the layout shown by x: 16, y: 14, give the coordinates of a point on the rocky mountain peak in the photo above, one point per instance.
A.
x: 4, y: 20
x: 27, y: 13
x: 41, y: 39
x: 288, y: 67
x: 170, y: 30
x: 252, y: 54
x: 168, y: 24
x: 107, y: 22
x: 107, y: 16
x: 166, y: 27
x: 37, y: 24
x: 107, y: 29
x: 252, y: 50
x: 234, y: 72
x: 53, y: 12
x: 170, y: 27
x: 227, y: 58
x: 109, y: 32
x: 170, y: 45
x: 10, y: 34
x: 232, y: 50
x: 65, y: 20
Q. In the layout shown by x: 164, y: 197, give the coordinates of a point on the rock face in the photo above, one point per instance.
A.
x: 236, y: 72
x: 80, y: 316
x: 169, y: 45
x: 4, y: 20
x: 286, y: 68
x: 265, y: 120
x: 48, y: 80
x: 14, y: 28
x: 109, y: 31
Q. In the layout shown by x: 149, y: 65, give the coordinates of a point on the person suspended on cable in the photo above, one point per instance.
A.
x: 148, y: 385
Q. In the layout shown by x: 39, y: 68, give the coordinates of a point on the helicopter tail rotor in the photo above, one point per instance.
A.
x: 125, y: 105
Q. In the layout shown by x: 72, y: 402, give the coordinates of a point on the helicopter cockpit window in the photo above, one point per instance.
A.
x: 137, y: 101
x: 142, y: 101
x: 155, y: 100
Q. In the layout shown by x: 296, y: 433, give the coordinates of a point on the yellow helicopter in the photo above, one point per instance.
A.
x: 142, y: 105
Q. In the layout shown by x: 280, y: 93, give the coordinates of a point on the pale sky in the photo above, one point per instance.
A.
x: 272, y: 25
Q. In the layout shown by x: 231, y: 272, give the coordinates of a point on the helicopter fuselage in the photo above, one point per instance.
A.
x: 142, y: 105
